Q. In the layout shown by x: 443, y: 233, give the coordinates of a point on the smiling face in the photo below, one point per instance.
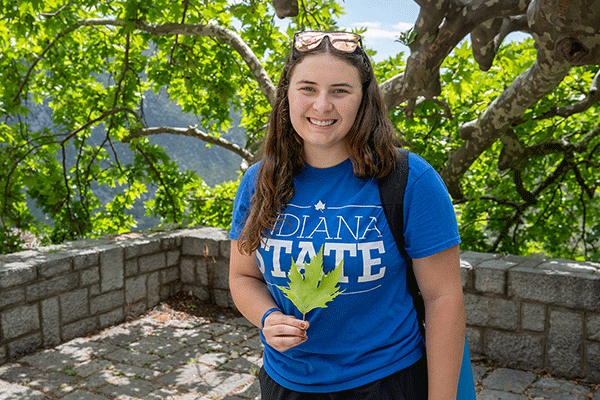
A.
x: 324, y: 97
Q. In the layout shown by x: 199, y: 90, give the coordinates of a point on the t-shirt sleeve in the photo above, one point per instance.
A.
x: 241, y: 204
x: 430, y: 222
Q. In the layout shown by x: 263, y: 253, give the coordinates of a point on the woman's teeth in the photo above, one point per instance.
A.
x: 322, y: 123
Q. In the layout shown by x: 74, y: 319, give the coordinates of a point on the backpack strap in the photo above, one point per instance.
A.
x: 391, y: 191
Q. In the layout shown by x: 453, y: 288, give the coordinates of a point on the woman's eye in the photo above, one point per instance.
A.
x: 307, y: 89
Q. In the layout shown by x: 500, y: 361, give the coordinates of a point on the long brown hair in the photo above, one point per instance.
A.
x: 371, y: 144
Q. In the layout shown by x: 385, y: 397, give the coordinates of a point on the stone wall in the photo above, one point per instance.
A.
x: 521, y: 312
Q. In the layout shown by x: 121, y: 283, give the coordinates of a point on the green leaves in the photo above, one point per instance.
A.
x: 314, y: 289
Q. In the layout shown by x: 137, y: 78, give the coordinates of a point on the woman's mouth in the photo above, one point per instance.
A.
x: 322, y: 122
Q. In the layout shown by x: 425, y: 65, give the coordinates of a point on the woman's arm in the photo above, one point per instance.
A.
x: 438, y: 277
x: 252, y: 297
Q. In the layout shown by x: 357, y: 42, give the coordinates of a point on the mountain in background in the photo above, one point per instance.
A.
x: 215, y: 165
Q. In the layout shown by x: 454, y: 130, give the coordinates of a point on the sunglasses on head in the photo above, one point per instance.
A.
x: 342, y: 41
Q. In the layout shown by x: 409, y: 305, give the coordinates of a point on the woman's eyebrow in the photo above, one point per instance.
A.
x: 307, y: 82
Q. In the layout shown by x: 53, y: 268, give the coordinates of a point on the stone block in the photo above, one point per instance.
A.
x: 491, y: 312
x: 10, y: 297
x: 90, y: 276
x: 79, y: 328
x: 3, y: 355
x: 140, y: 247
x: 50, y: 322
x: 74, y: 305
x: 195, y: 243
x: 53, y: 264
x: 16, y: 273
x: 533, y: 317
x: 202, y: 273
x: 51, y: 287
x: 112, y: 269
x: 564, y: 343
x: 152, y: 262
x: 490, y: 276
x: 522, y: 351
x: 131, y: 267
x: 225, y: 249
x: 593, y: 362
x: 20, y: 321
x: 173, y: 258
x: 135, y: 289
x: 554, y: 287
x: 153, y: 289
x: 169, y: 275
x: 201, y: 292
x: 221, y: 298
x: 165, y: 292
x: 188, y: 267
x: 475, y: 258
x: 111, y: 318
x: 475, y: 341
x: 592, y: 324
x: 25, y: 345
x: 86, y: 258
x: 106, y: 302
x: 466, y: 273
x: 220, y: 274
x: 170, y: 243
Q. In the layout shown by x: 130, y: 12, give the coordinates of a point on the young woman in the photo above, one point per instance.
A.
x: 316, y: 187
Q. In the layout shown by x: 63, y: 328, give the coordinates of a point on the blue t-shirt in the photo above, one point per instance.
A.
x: 369, y: 331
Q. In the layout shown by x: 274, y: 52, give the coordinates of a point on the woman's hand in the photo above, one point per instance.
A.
x: 283, y: 332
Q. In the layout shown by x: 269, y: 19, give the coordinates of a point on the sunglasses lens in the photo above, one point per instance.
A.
x: 343, y: 41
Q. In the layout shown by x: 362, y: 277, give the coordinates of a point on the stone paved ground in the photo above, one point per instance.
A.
x: 161, y: 357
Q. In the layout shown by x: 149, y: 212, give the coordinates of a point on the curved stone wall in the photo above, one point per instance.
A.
x: 541, y: 314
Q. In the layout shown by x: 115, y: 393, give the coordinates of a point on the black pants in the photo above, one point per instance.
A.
x: 408, y: 384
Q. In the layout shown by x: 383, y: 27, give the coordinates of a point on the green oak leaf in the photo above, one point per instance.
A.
x: 315, y: 289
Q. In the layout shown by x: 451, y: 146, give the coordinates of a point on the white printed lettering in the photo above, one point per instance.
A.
x: 369, y: 262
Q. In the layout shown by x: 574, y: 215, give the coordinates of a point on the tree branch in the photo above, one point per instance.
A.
x: 227, y: 36
x: 195, y: 133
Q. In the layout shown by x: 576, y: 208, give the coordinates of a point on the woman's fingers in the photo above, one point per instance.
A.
x: 283, y: 332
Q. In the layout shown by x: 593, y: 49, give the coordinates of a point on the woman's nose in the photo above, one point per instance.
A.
x: 323, y: 103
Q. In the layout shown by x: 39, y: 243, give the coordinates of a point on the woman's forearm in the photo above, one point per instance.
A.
x: 251, y: 296
x: 445, y: 337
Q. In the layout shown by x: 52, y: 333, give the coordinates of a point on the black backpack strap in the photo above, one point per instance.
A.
x: 391, y: 191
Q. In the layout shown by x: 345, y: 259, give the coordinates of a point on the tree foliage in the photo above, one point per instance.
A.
x: 514, y: 136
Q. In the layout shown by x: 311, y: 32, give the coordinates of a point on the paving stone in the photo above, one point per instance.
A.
x: 91, y: 367
x: 541, y: 394
x: 82, y: 350
x: 120, y: 335
x: 183, y: 356
x: 132, y: 357
x: 11, y: 391
x: 83, y: 395
x: 211, y: 345
x: 218, y: 383
x: 508, y: 380
x: 183, y: 375
x: 17, y: 373
x: 189, y: 337
x: 132, y: 371
x: 246, y: 364
x: 251, y: 391
x: 214, y: 359
x: 128, y: 388
x: 156, y: 345
x: 237, y: 336
x: 49, y: 360
x: 479, y: 372
x: 162, y: 394
x: 254, y: 343
x: 52, y: 381
x: 97, y: 380
x: 488, y: 394
x: 561, y: 385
